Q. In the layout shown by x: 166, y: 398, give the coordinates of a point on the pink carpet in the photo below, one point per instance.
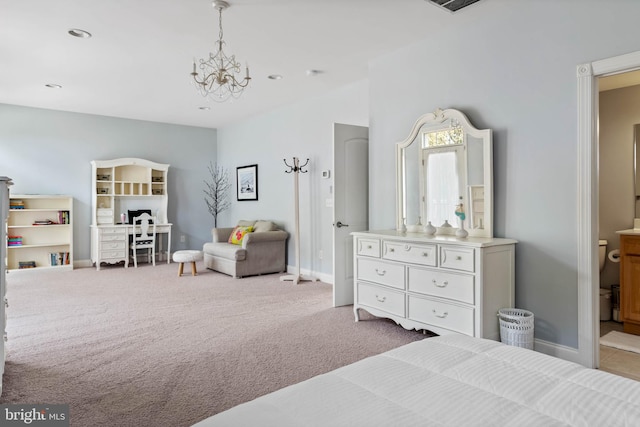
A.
x: 143, y: 347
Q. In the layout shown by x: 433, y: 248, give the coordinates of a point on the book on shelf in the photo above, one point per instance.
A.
x: 26, y: 264
x: 63, y: 217
x: 14, y: 241
x: 16, y: 204
x: 59, y: 258
x: 43, y: 222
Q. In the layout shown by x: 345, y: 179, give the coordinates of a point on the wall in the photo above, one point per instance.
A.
x: 48, y: 152
x: 619, y: 112
x: 510, y: 66
x: 303, y: 130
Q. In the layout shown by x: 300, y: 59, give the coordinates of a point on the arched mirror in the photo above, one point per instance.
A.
x: 445, y: 175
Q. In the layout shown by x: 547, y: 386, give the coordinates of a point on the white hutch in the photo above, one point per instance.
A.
x: 119, y: 186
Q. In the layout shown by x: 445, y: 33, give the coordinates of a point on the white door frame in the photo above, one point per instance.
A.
x: 588, y: 268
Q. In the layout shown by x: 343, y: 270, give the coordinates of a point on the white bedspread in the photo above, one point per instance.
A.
x: 451, y: 380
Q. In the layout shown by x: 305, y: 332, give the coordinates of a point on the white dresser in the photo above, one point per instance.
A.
x: 442, y: 284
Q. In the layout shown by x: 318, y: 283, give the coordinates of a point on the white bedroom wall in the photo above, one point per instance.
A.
x: 511, y: 66
x: 48, y: 152
x: 304, y: 130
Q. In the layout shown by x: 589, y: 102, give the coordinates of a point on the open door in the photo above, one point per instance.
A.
x: 351, y: 203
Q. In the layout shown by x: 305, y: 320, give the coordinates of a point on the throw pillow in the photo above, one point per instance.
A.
x: 238, y: 234
x: 261, y: 226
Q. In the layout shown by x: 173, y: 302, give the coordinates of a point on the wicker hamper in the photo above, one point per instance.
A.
x: 516, y: 327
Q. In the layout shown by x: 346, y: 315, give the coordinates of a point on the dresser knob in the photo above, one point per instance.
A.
x: 425, y: 253
x: 381, y: 272
x: 458, y: 258
x: 443, y: 285
x: 442, y: 316
x: 391, y: 250
x: 381, y: 299
x: 368, y: 246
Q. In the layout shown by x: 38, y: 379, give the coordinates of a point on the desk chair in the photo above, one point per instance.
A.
x: 144, y: 237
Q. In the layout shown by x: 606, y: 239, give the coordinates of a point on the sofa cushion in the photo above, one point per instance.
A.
x: 238, y: 234
x: 245, y: 223
x: 225, y: 250
x: 261, y: 226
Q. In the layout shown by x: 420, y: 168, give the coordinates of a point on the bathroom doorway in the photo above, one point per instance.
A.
x: 618, y: 113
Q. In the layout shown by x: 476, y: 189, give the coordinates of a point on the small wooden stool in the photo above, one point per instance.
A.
x: 187, y: 256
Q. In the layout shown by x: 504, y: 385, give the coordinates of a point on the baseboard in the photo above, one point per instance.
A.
x: 563, y: 352
x: 82, y: 263
x: 323, y: 277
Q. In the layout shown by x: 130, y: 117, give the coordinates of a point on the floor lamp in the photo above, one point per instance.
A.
x: 296, y: 169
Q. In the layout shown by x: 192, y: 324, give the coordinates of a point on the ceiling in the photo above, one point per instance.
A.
x: 138, y: 61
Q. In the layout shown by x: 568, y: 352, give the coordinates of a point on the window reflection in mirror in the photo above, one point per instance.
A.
x: 443, y: 163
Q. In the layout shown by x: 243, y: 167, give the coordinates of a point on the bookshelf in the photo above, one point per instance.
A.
x: 40, y: 232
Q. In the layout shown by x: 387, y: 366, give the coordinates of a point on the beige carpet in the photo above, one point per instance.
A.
x: 621, y: 341
x: 143, y: 347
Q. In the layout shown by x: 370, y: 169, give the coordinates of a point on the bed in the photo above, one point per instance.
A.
x: 451, y: 380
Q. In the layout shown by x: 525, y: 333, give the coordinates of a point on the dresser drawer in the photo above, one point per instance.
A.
x: 381, y: 298
x: 454, y: 317
x: 104, y: 220
x: 368, y: 247
x: 112, y: 245
x: 409, y: 252
x: 454, y: 286
x: 113, y: 237
x: 104, y: 255
x: 104, y: 231
x: 104, y: 212
x: 457, y: 258
x: 382, y: 272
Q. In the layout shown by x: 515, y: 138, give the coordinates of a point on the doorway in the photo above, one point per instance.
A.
x: 588, y: 237
x: 350, y: 203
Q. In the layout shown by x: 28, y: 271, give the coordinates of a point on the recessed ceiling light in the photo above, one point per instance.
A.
x: 204, y: 108
x: 76, y: 32
x: 312, y: 73
x: 275, y: 77
x: 53, y: 86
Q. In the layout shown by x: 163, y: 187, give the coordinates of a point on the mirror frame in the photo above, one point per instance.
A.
x: 436, y: 119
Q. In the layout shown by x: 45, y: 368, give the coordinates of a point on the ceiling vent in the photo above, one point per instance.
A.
x: 453, y: 5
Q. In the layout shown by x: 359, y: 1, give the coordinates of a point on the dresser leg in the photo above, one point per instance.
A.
x: 356, y: 313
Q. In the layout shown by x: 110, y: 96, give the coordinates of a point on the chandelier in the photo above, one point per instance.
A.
x: 218, y: 77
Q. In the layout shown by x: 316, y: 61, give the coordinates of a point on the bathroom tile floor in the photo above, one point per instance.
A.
x: 619, y: 362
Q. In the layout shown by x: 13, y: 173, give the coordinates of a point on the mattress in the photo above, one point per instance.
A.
x: 451, y: 380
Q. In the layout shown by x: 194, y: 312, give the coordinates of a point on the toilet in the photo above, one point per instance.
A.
x: 605, y: 294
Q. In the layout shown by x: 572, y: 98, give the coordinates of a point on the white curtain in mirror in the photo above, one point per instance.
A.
x: 442, y: 187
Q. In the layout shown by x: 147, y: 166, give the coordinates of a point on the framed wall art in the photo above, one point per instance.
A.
x: 247, y: 182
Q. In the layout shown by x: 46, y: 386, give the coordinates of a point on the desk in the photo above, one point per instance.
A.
x: 110, y: 243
